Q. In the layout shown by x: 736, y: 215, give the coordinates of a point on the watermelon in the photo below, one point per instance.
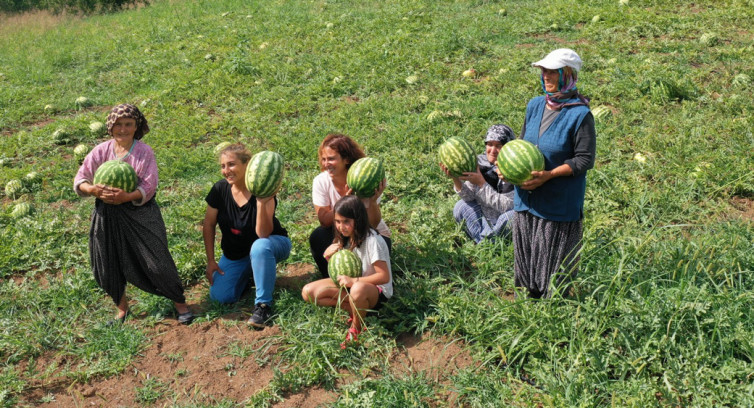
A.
x: 116, y: 173
x: 14, y: 188
x: 33, y: 178
x: 601, y: 113
x: 344, y: 262
x: 220, y: 146
x: 83, y: 102
x: 61, y: 137
x: 457, y: 156
x: 364, y: 176
x: 517, y: 159
x: 80, y: 152
x: 20, y: 210
x: 264, y: 174
x: 97, y: 128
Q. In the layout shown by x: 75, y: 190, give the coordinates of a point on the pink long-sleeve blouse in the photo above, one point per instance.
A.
x: 141, y: 158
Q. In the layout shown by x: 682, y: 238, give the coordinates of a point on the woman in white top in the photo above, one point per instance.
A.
x: 336, y: 154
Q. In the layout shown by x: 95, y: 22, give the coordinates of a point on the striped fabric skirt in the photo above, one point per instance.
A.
x: 543, y: 249
x: 128, y: 243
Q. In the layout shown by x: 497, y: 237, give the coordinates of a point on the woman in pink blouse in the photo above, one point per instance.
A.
x: 127, y: 239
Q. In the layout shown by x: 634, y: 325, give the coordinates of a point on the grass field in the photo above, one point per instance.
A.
x: 663, y: 313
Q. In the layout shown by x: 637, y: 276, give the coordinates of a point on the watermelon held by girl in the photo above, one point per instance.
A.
x: 458, y: 156
x: 116, y: 173
x: 517, y: 159
x: 364, y: 176
x: 264, y: 174
x: 344, y: 262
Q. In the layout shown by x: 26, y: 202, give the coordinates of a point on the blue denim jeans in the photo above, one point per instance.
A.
x: 263, y: 258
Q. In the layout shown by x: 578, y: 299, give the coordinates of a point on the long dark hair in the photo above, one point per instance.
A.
x: 348, y: 150
x: 352, y: 207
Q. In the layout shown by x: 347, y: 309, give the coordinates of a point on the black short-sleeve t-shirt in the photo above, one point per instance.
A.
x: 237, y: 224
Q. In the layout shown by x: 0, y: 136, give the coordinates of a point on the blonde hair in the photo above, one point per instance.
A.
x: 239, y: 150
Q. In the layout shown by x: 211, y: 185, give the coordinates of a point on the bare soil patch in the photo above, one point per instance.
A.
x: 745, y: 206
x: 227, y: 360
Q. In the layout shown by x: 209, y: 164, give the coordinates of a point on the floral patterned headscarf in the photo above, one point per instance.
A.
x: 126, y: 110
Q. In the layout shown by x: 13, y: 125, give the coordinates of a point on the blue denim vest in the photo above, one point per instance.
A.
x: 561, y: 198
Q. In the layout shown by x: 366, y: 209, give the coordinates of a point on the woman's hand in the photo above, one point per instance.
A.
x: 346, y: 281
x: 446, y: 171
x: 114, y: 196
x: 212, y: 267
x: 333, y: 248
x: 473, y: 177
x: 265, y: 200
x: 537, y: 179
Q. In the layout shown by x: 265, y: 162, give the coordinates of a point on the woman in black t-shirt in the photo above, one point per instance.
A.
x: 253, y: 241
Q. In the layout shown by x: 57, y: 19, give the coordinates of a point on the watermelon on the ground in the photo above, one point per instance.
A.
x: 33, y: 178
x: 601, y: 113
x: 458, y: 156
x: 80, y: 152
x: 14, y: 188
x: 220, y: 147
x: 20, y: 210
x: 517, y: 159
x: 118, y: 174
x: 97, y: 128
x: 364, y: 176
x: 264, y: 174
x: 61, y: 136
x: 344, y: 262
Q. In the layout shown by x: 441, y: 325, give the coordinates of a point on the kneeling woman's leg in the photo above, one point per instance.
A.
x: 323, y: 292
x: 228, y: 287
x: 470, y: 213
x: 364, y: 296
x: 266, y: 253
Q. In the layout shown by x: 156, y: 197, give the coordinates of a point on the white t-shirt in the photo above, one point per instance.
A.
x: 374, y: 249
x: 324, y: 194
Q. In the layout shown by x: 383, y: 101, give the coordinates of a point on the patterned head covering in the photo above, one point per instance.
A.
x: 126, y: 110
x: 499, y: 133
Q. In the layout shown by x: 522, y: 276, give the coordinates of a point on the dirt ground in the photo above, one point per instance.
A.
x: 194, y: 364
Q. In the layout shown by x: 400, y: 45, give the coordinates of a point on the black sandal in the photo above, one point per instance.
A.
x: 186, y: 318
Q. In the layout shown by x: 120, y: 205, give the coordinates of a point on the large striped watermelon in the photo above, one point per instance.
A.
x: 457, y: 156
x: 364, y: 176
x: 264, y: 174
x: 517, y: 159
x: 344, y: 262
x: 118, y: 174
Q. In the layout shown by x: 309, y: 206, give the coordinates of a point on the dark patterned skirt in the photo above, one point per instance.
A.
x: 128, y: 243
x: 544, y: 249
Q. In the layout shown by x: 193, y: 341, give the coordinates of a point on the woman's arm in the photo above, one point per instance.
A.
x: 324, y: 215
x: 373, y: 206
x: 208, y: 233
x: 265, y: 212
x: 380, y: 277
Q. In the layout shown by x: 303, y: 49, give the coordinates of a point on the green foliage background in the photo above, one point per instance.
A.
x: 663, y: 312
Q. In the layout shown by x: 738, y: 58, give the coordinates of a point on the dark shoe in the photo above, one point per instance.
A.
x: 186, y: 318
x: 118, y: 320
x: 260, y: 316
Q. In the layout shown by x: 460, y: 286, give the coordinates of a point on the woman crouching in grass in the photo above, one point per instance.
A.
x: 373, y: 287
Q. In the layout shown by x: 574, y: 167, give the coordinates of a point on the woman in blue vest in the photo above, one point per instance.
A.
x: 549, y: 207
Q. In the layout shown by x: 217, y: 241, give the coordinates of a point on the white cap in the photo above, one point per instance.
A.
x: 562, y: 57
